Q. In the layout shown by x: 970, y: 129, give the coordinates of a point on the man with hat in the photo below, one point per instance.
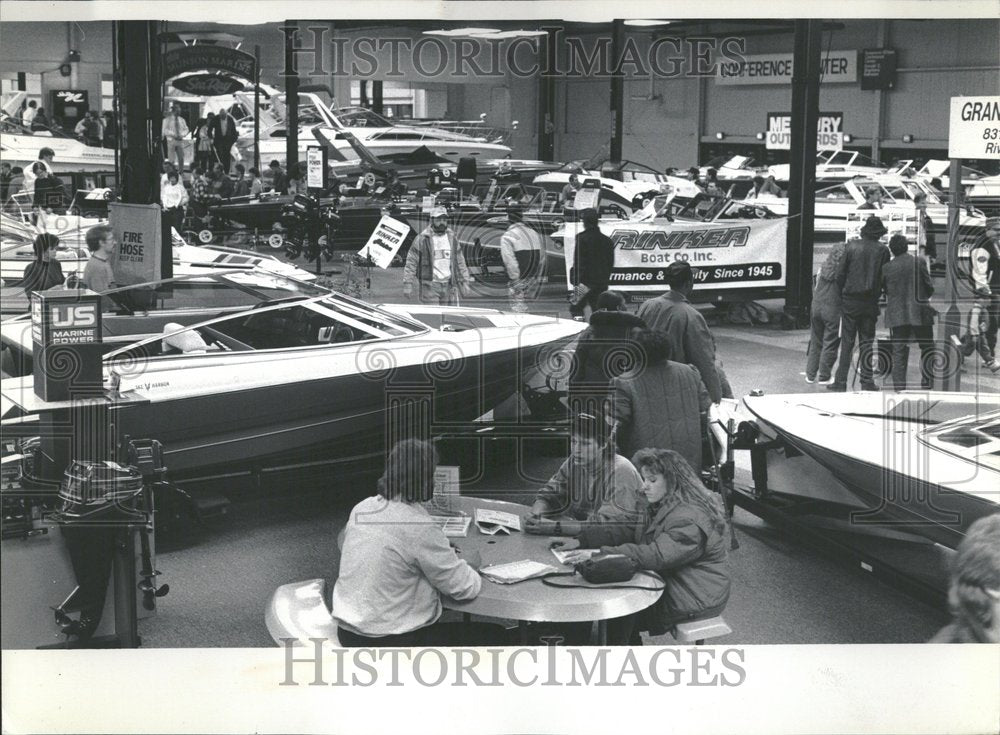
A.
x: 523, y: 255
x: 691, y: 342
x: 859, y: 276
x: 593, y: 261
x: 907, y: 283
x: 436, y: 264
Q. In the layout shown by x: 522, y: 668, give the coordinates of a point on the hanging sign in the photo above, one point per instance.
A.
x: 215, y: 58
x: 207, y: 85
x: 835, y: 66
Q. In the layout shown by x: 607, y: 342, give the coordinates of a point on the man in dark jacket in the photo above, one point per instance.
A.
x: 691, y: 341
x: 593, y: 260
x: 223, y: 132
x: 859, y: 276
x: 907, y: 283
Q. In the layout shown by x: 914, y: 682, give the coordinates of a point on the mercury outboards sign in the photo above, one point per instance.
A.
x: 66, y: 332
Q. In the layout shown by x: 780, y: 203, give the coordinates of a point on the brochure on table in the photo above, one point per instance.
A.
x: 492, y: 522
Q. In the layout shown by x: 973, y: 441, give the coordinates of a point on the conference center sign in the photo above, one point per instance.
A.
x: 835, y: 66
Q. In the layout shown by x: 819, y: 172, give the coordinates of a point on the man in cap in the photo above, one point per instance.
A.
x: 593, y: 261
x: 691, y: 342
x: 859, y: 276
x: 523, y: 255
x: 436, y: 264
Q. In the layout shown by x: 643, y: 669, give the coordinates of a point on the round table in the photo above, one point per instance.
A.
x: 532, y: 600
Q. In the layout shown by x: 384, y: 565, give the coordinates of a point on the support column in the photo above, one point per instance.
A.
x: 291, y: 79
x: 802, y: 174
x: 137, y: 88
x: 617, y: 90
x: 878, y: 124
x: 950, y: 322
x: 377, y: 103
x: 546, y: 128
x: 136, y: 55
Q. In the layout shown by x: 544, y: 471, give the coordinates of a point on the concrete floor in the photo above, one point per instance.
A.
x: 783, y: 592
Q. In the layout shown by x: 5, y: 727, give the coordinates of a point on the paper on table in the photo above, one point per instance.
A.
x: 453, y: 526
x: 492, y: 522
x: 562, y: 556
x: 516, y: 571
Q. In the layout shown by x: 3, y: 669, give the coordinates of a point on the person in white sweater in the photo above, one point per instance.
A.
x: 396, y: 563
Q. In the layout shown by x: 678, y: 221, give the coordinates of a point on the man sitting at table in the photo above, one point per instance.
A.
x: 396, y: 563
x: 682, y: 537
x: 595, y: 484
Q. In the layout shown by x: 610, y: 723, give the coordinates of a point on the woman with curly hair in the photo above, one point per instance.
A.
x: 682, y: 537
x: 974, y: 596
x: 396, y: 563
x: 824, y: 319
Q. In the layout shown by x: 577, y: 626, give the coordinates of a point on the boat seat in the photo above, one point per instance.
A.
x: 698, y: 631
x: 298, y: 610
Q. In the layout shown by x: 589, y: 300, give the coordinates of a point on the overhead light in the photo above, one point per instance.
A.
x: 848, y: 137
x: 907, y: 138
x: 462, y: 31
x: 647, y: 22
x: 720, y: 136
x: 760, y: 136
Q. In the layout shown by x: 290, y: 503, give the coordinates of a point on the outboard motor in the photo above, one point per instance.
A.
x: 95, y: 499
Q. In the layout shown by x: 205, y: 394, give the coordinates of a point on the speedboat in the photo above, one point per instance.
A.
x: 17, y: 250
x: 832, y: 166
x: 626, y: 186
x: 19, y: 146
x: 985, y: 195
x: 838, y: 201
x: 923, y: 464
x: 310, y: 376
x: 380, y: 135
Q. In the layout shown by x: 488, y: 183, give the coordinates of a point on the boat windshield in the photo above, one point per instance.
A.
x: 845, y: 158
x: 286, y: 324
x: 976, y: 439
x: 359, y: 117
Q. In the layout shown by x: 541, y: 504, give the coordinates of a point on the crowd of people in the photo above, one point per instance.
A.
x: 847, y: 296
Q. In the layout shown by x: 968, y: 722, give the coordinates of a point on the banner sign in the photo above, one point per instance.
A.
x: 138, y: 236
x: 974, y: 128
x: 209, y: 58
x: 728, y: 255
x: 835, y: 66
x: 896, y: 223
x: 207, y: 85
x: 829, y: 131
x: 385, y: 241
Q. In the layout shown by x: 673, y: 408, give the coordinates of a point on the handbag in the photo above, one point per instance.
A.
x: 607, y: 569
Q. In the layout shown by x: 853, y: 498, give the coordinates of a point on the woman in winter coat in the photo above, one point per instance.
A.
x: 659, y: 402
x: 605, y: 349
x: 682, y: 537
x: 824, y: 340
